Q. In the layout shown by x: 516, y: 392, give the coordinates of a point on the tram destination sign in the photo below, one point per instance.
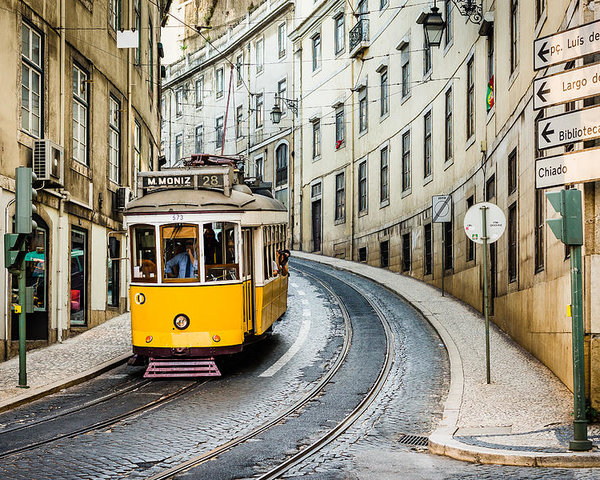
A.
x: 577, y: 167
x: 566, y: 45
x: 567, y: 86
x: 576, y: 126
x: 208, y: 180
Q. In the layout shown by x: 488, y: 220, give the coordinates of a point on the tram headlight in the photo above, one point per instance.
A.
x: 216, y: 338
x: 181, y: 321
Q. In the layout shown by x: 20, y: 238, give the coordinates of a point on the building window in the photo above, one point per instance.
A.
x: 259, y: 110
x: 362, y: 186
x: 340, y: 197
x: 339, y: 127
x: 137, y: 146
x: 448, y: 245
x: 385, y: 92
x: 340, y: 32
x: 114, y: 275
x: 179, y: 102
x: 490, y: 188
x: 239, y: 122
x: 239, y: 63
x: 512, y: 243
x: 219, y: 131
x: 178, y: 147
x: 282, y: 93
x: 384, y: 254
x: 405, y: 60
x: 512, y: 172
x: 470, y: 244
x: 540, y: 221
x: 114, y: 139
x: 281, y: 39
x: 137, y: 15
x: 406, y: 161
x: 114, y: 14
x: 362, y: 110
x: 260, y: 55
x: 219, y: 82
x: 539, y: 9
x: 80, y: 115
x: 31, y: 81
x: 406, y: 263
x: 316, y: 52
x: 470, y: 99
x: 448, y: 141
x: 384, y: 176
x: 259, y: 168
x: 427, y: 267
x: 199, y: 139
x: 150, y: 156
x: 316, y: 138
x: 490, y: 56
x: 200, y: 92
x: 362, y: 254
x: 281, y: 165
x: 427, y: 145
x: 426, y: 58
x: 448, y: 16
x: 514, y: 35
x: 150, y: 54
x: 383, y: 4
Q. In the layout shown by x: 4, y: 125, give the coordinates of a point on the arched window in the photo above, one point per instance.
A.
x: 281, y: 159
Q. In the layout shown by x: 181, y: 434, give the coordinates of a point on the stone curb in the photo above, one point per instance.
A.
x: 441, y: 441
x: 39, y: 392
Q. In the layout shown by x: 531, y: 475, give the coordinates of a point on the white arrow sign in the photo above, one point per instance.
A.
x: 566, y: 86
x: 576, y: 167
x: 570, y: 127
x: 566, y: 45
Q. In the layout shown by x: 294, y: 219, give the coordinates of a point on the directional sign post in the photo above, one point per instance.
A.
x: 566, y: 45
x: 441, y: 207
x: 565, y: 87
x: 576, y: 167
x: 577, y: 126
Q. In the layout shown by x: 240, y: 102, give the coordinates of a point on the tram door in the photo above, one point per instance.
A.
x: 248, y: 279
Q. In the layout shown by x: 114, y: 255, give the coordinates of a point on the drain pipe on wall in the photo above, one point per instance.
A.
x: 6, y: 281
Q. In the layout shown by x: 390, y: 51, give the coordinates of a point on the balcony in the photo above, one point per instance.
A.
x: 359, y: 37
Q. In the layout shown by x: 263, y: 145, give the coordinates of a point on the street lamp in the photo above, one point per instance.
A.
x: 276, y: 112
x: 433, y: 25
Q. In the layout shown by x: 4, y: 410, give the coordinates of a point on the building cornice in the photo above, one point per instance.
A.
x: 231, y: 47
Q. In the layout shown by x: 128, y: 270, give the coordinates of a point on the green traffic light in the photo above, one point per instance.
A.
x: 568, y: 229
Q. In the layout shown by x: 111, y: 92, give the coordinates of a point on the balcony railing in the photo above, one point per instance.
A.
x: 359, y: 37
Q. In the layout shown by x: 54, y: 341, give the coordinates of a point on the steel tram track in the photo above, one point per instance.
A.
x: 105, y: 423
x: 332, y: 434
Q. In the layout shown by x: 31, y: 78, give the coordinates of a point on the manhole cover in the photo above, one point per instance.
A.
x: 416, y: 440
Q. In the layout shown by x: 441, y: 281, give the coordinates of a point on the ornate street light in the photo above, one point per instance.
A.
x: 276, y: 112
x: 470, y: 8
x: 433, y: 25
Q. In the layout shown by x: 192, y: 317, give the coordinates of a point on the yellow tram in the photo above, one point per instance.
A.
x: 205, y: 277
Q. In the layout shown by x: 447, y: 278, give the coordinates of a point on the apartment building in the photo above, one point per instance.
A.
x: 89, y: 113
x: 385, y: 123
x: 218, y: 98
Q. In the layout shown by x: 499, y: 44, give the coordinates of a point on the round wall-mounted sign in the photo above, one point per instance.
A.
x: 495, y: 221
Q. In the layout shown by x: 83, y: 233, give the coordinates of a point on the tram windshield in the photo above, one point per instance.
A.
x: 143, y: 260
x: 220, y: 252
x: 180, y: 253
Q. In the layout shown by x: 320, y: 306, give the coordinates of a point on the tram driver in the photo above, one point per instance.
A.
x: 184, y: 263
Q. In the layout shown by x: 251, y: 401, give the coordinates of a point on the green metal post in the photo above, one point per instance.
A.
x: 484, y: 237
x: 580, y: 441
x: 22, y: 329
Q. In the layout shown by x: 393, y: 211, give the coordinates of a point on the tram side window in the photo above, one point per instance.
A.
x: 220, y: 252
x: 180, y: 253
x: 274, y: 241
x: 143, y: 260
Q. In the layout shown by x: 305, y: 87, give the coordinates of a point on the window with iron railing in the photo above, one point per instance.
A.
x: 359, y: 33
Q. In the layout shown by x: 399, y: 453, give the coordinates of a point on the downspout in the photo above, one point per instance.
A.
x: 352, y: 167
x: 61, y: 294
x: 301, y: 180
x: 6, y: 282
x: 249, y: 112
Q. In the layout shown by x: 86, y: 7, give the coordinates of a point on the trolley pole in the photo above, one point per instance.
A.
x: 484, y: 237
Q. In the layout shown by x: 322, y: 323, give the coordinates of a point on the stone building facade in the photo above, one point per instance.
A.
x: 69, y: 91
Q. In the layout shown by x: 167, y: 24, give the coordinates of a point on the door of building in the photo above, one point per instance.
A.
x: 316, y: 225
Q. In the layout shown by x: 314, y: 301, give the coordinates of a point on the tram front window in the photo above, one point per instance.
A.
x: 180, y: 253
x: 220, y: 252
x: 143, y: 260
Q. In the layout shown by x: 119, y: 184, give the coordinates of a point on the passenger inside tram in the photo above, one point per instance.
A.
x: 183, y: 263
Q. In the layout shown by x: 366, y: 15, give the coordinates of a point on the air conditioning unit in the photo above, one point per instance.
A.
x: 48, y: 162
x: 124, y: 196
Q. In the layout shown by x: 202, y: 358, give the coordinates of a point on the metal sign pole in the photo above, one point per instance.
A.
x: 443, y: 260
x: 22, y: 328
x: 484, y: 237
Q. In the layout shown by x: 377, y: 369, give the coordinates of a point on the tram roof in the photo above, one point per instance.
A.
x: 192, y: 200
